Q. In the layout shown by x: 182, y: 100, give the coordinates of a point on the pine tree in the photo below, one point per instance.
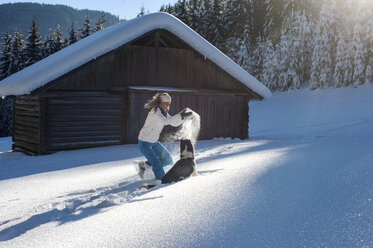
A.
x: 163, y: 8
x: 240, y: 20
x: 259, y: 15
x: 169, y: 9
x: 100, y: 24
x: 142, y: 11
x: 33, y: 50
x: 87, y: 29
x: 195, y: 18
x: 321, y: 68
x: 271, y: 66
x: 358, y: 76
x: 73, y: 37
x: 216, y: 25
x: 54, y: 42
x: 7, y: 65
x: 17, y: 59
x: 342, y: 71
x: 280, y: 13
x: 240, y: 24
x: 6, y: 116
x: 294, y: 52
x: 368, y: 41
x: 181, y: 11
x: 257, y: 58
x: 58, y: 42
x: 6, y: 55
x: 274, y: 18
x: 287, y: 74
x: 205, y: 19
x: 48, y: 44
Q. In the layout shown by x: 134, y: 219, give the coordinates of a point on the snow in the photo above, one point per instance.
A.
x: 304, y: 179
x: 106, y: 40
x: 160, y: 89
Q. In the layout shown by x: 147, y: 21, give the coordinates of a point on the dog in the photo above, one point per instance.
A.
x: 185, y: 167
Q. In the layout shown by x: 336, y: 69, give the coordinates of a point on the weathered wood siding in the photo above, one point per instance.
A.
x: 149, y: 66
x: 221, y: 115
x: 83, y: 119
x: 26, y: 124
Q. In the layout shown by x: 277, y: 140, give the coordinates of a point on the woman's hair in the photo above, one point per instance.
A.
x: 155, y: 101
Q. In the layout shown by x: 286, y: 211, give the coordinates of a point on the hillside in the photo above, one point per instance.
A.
x: 304, y: 179
x: 18, y: 16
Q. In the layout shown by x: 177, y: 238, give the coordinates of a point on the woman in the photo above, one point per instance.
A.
x: 156, y: 154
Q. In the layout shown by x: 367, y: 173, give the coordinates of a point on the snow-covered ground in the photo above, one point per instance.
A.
x: 304, y: 179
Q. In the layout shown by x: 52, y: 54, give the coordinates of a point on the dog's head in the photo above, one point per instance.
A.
x: 186, y: 149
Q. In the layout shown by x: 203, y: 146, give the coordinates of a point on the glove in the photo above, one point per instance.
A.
x: 186, y: 115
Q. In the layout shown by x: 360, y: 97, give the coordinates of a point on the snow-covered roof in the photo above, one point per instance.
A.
x: 106, y: 40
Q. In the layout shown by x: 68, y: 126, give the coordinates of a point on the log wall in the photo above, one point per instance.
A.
x: 26, y: 124
x: 222, y: 115
x: 83, y: 119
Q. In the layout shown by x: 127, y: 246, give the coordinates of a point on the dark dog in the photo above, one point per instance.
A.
x: 185, y: 167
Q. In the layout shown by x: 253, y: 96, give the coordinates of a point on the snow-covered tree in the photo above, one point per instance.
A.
x: 358, y: 76
x: 208, y: 20
x: 73, y: 36
x: 294, y: 52
x: 181, y: 11
x: 257, y: 58
x: 34, y: 46
x: 240, y: 19
x: 6, y: 66
x: 58, y: 42
x: 48, y: 44
x: 17, y: 59
x: 142, y: 11
x: 101, y: 22
x: 273, y: 16
x: 167, y: 8
x: 288, y: 71
x: 271, y: 66
x: 240, y: 23
x: 280, y: 12
x: 198, y: 16
x: 54, y: 42
x: 367, y: 39
x: 194, y: 6
x: 321, y: 68
x: 216, y: 28
x: 259, y: 18
x: 6, y: 56
x: 6, y: 116
x: 87, y: 29
x: 343, y: 61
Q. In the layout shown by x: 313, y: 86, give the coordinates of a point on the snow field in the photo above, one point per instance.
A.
x: 304, y: 179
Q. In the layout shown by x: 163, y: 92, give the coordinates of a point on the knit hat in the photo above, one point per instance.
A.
x: 165, y: 97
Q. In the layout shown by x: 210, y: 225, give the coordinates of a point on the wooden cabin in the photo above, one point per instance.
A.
x: 101, y: 100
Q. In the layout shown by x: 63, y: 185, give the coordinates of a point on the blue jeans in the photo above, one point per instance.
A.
x: 157, y: 156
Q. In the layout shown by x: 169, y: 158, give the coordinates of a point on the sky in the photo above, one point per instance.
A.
x: 125, y: 9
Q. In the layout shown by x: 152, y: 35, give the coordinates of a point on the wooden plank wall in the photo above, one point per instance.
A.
x: 221, y: 115
x: 83, y: 119
x: 26, y: 124
x: 137, y: 114
x: 149, y: 66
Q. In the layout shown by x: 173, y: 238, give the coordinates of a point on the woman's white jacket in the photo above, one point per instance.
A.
x: 154, y: 123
